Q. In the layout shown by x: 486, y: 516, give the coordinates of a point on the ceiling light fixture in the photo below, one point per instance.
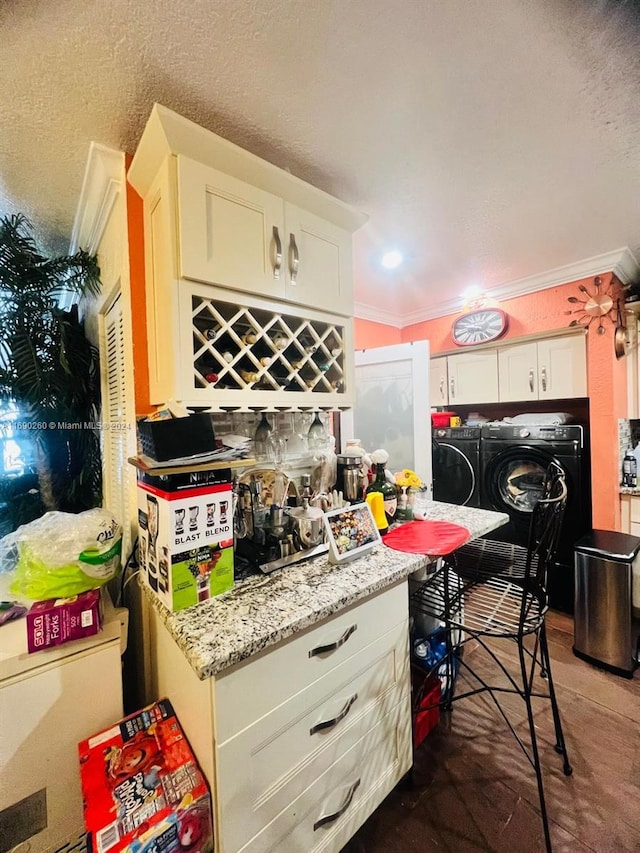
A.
x: 392, y: 259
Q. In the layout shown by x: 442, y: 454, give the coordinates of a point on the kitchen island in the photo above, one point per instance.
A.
x: 294, y: 691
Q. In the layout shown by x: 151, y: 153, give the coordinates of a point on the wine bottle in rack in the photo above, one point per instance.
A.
x: 249, y: 338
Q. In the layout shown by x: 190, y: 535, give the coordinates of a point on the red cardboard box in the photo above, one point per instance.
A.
x: 427, y: 715
x: 142, y: 789
x: 52, y: 622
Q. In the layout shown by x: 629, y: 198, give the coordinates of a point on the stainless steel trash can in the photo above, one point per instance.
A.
x: 605, y: 632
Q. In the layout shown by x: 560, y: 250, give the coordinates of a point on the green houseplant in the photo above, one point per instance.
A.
x: 49, y: 378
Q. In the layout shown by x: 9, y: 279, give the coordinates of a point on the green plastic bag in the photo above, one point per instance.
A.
x: 62, y: 554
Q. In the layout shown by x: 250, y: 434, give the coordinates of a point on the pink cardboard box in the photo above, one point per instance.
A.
x: 52, y: 622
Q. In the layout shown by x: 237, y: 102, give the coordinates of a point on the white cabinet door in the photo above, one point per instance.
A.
x: 317, y: 262
x: 473, y: 377
x: 438, y: 388
x: 562, y: 367
x: 518, y: 372
x: 230, y: 233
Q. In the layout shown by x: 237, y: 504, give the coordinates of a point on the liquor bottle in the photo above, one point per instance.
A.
x: 248, y: 375
x: 388, y: 491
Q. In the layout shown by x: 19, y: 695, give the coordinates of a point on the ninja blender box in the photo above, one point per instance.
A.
x: 185, y: 523
x: 142, y: 789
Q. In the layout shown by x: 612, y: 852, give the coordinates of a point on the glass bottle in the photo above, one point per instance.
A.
x: 317, y: 435
x: 388, y: 491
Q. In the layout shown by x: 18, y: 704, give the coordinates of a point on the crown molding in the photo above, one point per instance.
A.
x: 103, y: 180
x: 362, y: 311
x: 621, y: 262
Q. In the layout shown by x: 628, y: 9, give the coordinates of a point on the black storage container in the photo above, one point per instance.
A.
x: 177, y: 437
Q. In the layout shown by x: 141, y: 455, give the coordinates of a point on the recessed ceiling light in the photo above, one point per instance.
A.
x: 392, y: 259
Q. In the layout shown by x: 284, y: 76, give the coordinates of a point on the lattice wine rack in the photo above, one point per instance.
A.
x: 255, y: 356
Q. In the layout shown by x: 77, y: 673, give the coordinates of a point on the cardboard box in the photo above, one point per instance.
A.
x: 186, y: 535
x: 58, y: 620
x: 142, y: 789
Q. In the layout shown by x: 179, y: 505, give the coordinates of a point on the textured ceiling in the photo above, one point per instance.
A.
x: 489, y: 139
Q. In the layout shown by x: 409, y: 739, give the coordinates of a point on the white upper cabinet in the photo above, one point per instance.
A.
x: 229, y: 231
x: 473, y: 377
x: 518, y: 372
x: 562, y: 367
x: 548, y: 369
x: 275, y: 328
x: 438, y: 388
x: 235, y: 235
x: 318, y: 265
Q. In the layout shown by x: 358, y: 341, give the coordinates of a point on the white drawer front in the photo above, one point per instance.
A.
x: 289, y: 748
x: 329, y: 811
x: 245, y: 693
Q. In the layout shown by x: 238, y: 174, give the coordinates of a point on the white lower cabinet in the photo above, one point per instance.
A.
x: 630, y: 514
x: 301, y: 742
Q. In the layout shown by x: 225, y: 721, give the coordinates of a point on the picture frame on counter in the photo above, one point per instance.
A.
x: 350, y: 532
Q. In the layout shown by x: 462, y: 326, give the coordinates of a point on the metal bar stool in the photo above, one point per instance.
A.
x: 491, y: 590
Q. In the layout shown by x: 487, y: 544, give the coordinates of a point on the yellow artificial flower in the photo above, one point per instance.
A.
x: 408, y: 479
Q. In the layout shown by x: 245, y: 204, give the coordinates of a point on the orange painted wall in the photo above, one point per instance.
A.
x: 544, y: 311
x: 135, y: 228
x: 368, y: 334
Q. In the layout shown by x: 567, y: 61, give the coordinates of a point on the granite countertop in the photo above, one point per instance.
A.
x: 630, y: 490
x: 262, y: 610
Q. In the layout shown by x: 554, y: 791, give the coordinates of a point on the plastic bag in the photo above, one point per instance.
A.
x: 62, y: 554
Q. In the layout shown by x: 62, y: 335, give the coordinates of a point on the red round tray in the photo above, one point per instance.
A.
x: 435, y: 538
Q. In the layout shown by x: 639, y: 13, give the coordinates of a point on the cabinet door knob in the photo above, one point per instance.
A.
x: 331, y: 647
x: 329, y: 724
x: 531, y: 381
x: 295, y: 258
x: 452, y: 387
x: 329, y: 818
x: 278, y: 259
x: 543, y: 378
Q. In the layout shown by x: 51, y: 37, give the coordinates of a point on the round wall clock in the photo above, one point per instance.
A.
x: 479, y: 326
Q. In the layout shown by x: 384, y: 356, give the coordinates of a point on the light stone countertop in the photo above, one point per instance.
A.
x: 630, y: 490
x: 263, y: 610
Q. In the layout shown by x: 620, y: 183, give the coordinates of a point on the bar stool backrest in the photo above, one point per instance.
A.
x: 546, y: 525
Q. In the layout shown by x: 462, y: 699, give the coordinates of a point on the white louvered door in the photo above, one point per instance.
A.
x: 116, y: 419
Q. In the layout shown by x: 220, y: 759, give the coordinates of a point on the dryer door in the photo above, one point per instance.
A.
x: 513, y: 479
x: 454, y: 479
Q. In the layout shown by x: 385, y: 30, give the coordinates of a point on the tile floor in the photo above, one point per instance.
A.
x: 473, y: 790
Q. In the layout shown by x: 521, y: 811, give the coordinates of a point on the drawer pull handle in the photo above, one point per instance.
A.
x: 329, y: 724
x: 331, y: 647
x: 278, y: 260
x: 329, y: 818
x: 295, y: 262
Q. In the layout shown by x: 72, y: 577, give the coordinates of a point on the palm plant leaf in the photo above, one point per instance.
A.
x: 47, y: 365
